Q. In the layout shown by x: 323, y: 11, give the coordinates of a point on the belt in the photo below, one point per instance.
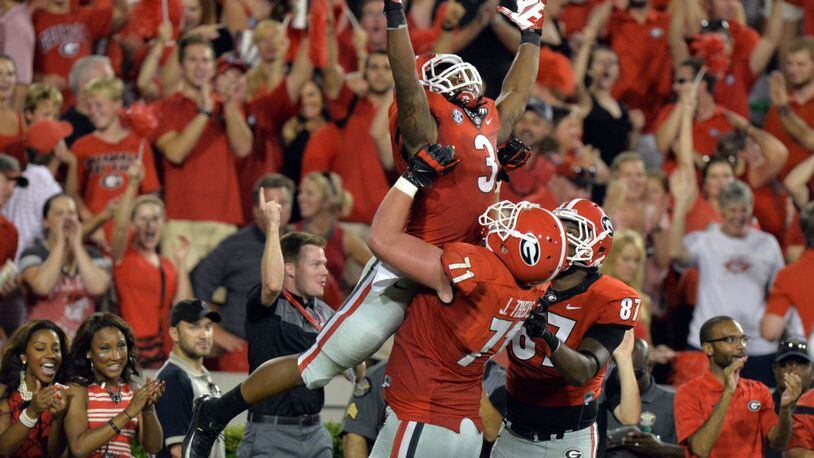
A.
x: 536, y: 436
x: 302, y: 420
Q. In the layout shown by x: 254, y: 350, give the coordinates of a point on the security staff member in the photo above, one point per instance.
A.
x: 283, y: 317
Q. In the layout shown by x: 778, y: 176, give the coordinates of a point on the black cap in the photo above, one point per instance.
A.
x: 192, y: 310
x: 792, y: 348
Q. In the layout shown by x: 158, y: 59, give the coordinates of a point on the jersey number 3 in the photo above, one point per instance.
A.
x: 486, y: 184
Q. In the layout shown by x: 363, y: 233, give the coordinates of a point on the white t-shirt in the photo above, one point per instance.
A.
x: 24, y: 208
x: 734, y: 279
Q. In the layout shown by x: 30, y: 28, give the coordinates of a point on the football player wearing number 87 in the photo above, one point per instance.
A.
x: 557, y: 362
x: 478, y: 297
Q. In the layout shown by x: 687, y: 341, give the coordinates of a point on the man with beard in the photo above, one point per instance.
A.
x: 789, y: 118
x: 345, y: 146
x: 529, y: 182
x: 184, y: 374
x: 736, y: 264
x: 719, y: 413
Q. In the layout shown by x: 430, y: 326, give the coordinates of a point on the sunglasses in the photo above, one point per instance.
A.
x: 731, y: 340
x: 714, y: 26
x: 793, y: 346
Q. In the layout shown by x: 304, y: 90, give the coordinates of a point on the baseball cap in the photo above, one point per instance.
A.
x: 225, y: 64
x: 192, y: 310
x: 540, y: 108
x: 44, y: 135
x: 792, y: 348
x: 10, y: 167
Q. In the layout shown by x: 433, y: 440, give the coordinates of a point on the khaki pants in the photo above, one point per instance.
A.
x: 203, y: 237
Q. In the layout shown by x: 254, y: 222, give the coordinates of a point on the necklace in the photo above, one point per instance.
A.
x: 25, y: 393
x: 116, y: 397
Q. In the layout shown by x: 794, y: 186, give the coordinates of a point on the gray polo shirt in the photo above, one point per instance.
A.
x: 657, y: 415
x: 184, y: 384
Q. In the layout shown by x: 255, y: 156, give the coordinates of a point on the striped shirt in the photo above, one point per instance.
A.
x: 102, y: 408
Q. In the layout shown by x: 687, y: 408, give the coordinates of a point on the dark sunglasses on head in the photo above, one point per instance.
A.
x: 714, y: 26
x: 791, y: 345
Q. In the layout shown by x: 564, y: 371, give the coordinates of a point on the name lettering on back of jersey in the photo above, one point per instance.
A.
x: 521, y: 310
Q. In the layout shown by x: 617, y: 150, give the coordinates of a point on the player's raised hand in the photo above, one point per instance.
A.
x: 525, y: 14
x: 430, y: 162
x: 512, y: 155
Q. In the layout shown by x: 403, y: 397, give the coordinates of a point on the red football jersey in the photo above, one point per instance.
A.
x: 449, y: 210
x: 532, y: 378
x: 440, y: 352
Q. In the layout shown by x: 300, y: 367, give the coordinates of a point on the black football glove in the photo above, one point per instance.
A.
x: 512, y: 155
x: 430, y: 162
x: 537, y: 325
x: 537, y: 322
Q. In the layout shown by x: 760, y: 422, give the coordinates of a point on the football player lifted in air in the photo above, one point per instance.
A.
x: 557, y: 362
x: 478, y: 299
x: 459, y: 116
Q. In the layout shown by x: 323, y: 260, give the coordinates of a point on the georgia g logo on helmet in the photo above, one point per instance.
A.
x: 607, y: 225
x: 530, y: 250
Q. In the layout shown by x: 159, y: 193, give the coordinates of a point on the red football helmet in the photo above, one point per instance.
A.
x: 594, y: 232
x: 449, y: 75
x: 530, y: 240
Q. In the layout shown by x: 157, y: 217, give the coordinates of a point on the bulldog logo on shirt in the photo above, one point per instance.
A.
x: 753, y: 405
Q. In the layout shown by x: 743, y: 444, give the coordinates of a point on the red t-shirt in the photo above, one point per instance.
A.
x: 139, y: 287
x: 440, y: 352
x: 102, y: 168
x: 705, y: 134
x: 794, y: 235
x: 349, y: 152
x: 732, y: 90
x: 449, y: 210
x: 748, y: 420
x: 574, y: 16
x: 9, y: 238
x: 62, y: 39
x: 646, y: 76
x: 802, y: 433
x: 267, y: 113
x: 531, y: 377
x: 791, y: 288
x: 773, y: 125
x: 14, y: 145
x: 529, y: 183
x: 204, y: 187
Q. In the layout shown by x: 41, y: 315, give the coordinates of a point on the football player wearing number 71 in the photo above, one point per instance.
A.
x: 478, y: 298
x: 557, y: 362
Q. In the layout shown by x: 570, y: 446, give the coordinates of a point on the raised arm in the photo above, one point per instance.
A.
x: 780, y: 433
x: 774, y: 152
x: 797, y: 180
x: 599, y: 17
x: 411, y: 256
x: 684, y: 191
x: 794, y: 125
x: 416, y: 124
x: 772, y: 35
x: 272, y: 267
x: 121, y: 218
x: 519, y: 81
x: 176, y: 145
x: 629, y: 410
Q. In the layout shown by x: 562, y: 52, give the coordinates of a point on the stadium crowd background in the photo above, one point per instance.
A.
x: 650, y: 107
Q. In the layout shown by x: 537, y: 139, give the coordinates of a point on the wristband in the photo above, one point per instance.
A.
x: 446, y: 28
x: 406, y: 187
x: 551, y: 340
x: 128, y: 415
x: 531, y: 36
x: 27, y: 420
x: 395, y: 15
x: 113, y: 425
x: 205, y: 112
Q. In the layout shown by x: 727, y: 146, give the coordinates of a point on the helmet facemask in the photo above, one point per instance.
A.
x: 584, y: 240
x: 449, y: 75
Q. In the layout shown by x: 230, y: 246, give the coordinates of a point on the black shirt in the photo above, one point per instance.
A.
x: 366, y: 410
x: 235, y: 265
x: 81, y: 125
x: 280, y: 330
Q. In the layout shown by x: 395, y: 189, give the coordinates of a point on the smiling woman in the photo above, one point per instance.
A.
x: 106, y: 408
x: 31, y: 405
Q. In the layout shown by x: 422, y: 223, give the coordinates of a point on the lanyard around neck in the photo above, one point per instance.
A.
x: 290, y: 298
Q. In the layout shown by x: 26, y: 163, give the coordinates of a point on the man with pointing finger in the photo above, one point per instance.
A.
x: 720, y: 414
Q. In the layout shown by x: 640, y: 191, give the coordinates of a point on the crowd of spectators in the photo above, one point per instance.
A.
x: 691, y: 121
